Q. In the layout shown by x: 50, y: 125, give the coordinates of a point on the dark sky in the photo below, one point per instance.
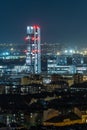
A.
x: 63, y: 21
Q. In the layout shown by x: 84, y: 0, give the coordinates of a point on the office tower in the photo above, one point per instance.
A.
x: 33, y: 53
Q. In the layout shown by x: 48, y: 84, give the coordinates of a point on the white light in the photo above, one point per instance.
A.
x: 36, y: 33
x: 71, y: 51
x: 66, y: 51
x: 28, y: 28
x: 31, y: 27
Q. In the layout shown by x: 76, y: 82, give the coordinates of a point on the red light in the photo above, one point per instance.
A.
x: 33, y: 38
x: 27, y: 38
x: 36, y: 26
x: 35, y: 51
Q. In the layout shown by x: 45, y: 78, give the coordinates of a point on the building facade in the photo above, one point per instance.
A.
x: 33, y: 52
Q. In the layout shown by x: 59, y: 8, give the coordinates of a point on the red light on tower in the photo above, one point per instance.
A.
x: 27, y: 38
x: 36, y: 26
x: 35, y: 51
x: 33, y: 38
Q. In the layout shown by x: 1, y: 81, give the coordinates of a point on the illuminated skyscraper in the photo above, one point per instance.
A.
x: 33, y: 53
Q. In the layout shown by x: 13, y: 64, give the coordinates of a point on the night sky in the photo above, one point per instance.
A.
x: 61, y: 21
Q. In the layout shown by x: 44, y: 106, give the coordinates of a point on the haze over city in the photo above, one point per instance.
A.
x: 62, y: 21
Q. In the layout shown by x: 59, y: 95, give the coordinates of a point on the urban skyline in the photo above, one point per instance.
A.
x: 43, y: 64
x: 60, y: 21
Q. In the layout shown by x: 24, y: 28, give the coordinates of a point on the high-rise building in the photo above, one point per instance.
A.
x: 33, y: 52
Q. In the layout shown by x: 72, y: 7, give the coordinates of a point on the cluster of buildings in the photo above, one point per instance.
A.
x: 36, y: 58
x: 35, y: 68
x: 67, y: 64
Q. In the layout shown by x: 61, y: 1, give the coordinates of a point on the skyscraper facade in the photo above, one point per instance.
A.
x: 33, y: 53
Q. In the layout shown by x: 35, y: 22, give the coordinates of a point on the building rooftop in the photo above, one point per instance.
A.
x: 71, y: 116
